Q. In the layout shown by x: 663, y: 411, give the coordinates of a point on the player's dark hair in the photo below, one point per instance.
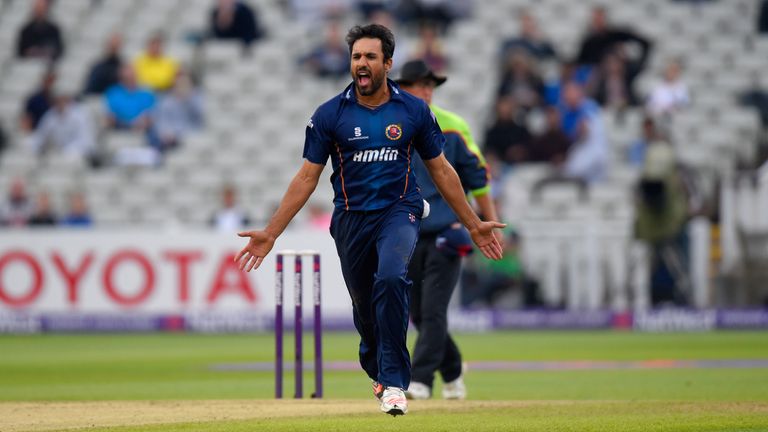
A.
x: 373, y: 31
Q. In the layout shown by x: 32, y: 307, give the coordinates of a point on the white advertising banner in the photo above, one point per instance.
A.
x: 99, y: 271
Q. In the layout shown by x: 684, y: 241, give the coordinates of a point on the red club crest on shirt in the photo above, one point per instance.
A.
x: 394, y: 132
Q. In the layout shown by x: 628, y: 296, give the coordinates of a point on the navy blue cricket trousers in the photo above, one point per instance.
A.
x: 375, y: 248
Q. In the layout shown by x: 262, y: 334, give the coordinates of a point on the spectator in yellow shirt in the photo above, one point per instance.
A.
x: 155, y: 69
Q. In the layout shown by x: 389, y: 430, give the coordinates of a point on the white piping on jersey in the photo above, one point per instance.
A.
x: 349, y: 92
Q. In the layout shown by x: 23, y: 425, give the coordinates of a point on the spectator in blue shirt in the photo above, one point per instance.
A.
x: 588, y: 156
x: 128, y: 104
x: 78, y: 214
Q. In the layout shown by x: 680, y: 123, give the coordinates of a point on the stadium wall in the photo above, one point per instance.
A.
x: 144, y: 280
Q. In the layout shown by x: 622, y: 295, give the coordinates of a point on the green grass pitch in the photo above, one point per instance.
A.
x: 177, y: 367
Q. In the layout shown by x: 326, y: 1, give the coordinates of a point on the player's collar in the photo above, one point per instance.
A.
x: 394, y: 92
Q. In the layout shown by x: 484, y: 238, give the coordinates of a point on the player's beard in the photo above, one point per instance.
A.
x: 375, y: 82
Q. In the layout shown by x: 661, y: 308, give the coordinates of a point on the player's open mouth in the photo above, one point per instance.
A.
x: 363, y: 78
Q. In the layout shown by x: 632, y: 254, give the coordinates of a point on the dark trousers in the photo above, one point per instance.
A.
x: 434, y: 276
x: 375, y: 249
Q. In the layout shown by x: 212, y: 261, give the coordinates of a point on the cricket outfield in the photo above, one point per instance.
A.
x: 532, y: 381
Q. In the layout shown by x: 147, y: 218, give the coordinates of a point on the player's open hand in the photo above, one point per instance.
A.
x: 259, y: 245
x: 486, y: 240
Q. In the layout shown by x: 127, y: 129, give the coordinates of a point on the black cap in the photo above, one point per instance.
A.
x: 416, y: 70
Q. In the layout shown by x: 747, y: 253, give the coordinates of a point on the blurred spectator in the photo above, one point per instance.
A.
x: 128, y: 105
x: 762, y: 18
x: 179, y: 112
x: 106, y: 71
x: 230, y: 217
x: 154, y: 69
x: 756, y: 97
x: 553, y: 144
x: 66, y: 129
x: 637, y: 149
x: 368, y: 8
x: 485, y: 282
x: 17, y: 209
x: 440, y: 12
x: 402, y: 44
x: 670, y: 95
x: 557, y: 76
x: 429, y: 48
x: 661, y: 218
x: 507, y: 138
x: 43, y: 214
x: 762, y: 172
x: 38, y: 103
x: 588, y: 156
x: 614, y: 81
x: 331, y: 57
x: 3, y: 138
x: 78, y: 214
x: 530, y: 40
x: 602, y: 39
x: 313, y: 11
x: 520, y: 81
x: 233, y: 19
x: 40, y: 37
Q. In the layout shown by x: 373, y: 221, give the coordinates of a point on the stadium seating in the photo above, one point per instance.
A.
x: 256, y: 108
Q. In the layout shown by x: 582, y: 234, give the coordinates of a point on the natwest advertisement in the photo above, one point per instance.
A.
x: 153, y: 272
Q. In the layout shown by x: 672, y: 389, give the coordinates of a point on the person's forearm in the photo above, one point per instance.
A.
x: 487, y: 207
x: 295, y: 197
x: 449, y: 185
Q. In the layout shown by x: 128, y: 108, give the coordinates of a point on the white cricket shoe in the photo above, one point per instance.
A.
x: 418, y: 390
x: 393, y: 401
x: 455, y: 389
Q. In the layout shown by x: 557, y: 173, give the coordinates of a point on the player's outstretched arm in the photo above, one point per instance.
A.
x: 449, y: 185
x: 261, y: 242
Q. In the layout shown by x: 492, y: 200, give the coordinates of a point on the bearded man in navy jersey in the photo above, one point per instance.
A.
x: 370, y: 132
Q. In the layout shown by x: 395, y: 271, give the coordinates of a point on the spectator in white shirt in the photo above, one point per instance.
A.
x: 179, y: 112
x: 670, y: 95
x: 66, y: 129
x: 230, y: 218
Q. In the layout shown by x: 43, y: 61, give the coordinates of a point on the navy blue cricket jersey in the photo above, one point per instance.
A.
x: 371, y: 148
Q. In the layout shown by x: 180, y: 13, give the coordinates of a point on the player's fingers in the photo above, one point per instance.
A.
x: 257, y: 262
x: 498, y: 249
x: 244, y: 234
x: 494, y: 251
x: 253, y: 262
x: 240, y: 255
x: 487, y: 252
x: 244, y: 261
x: 249, y: 263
